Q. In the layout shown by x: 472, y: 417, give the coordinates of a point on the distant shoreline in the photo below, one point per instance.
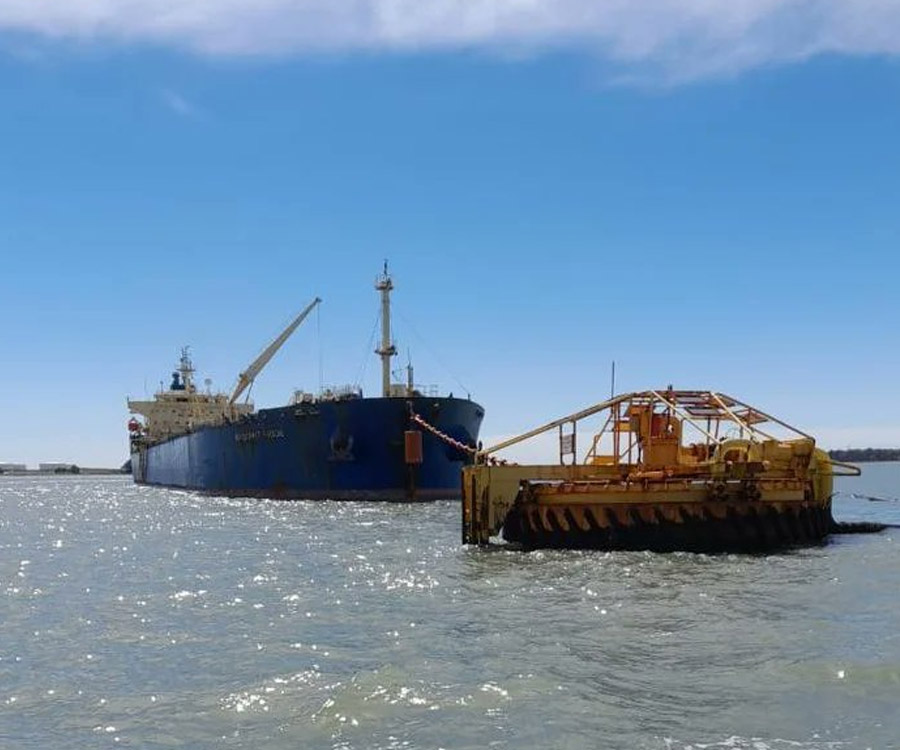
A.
x: 865, y: 455
x: 61, y: 473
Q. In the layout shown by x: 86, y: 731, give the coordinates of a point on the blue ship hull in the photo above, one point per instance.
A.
x: 342, y: 450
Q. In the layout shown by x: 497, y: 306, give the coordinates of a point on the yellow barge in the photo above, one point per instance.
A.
x: 668, y: 470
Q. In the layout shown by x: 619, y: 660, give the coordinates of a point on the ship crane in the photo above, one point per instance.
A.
x: 246, y: 378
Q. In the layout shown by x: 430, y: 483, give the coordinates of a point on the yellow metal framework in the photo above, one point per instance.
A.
x: 640, y: 465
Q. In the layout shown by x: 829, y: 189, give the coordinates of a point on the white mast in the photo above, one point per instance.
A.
x: 186, y: 368
x: 384, y: 285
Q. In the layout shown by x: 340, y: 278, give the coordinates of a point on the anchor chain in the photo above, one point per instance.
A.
x: 442, y: 435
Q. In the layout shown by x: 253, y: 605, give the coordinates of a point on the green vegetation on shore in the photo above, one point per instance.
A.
x: 862, y: 455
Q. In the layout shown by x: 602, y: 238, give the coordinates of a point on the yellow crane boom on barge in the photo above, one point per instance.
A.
x: 746, y: 481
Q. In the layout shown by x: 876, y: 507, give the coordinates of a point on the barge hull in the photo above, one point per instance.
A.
x: 742, y: 481
x: 706, y: 527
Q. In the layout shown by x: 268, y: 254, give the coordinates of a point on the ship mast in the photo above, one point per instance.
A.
x: 384, y: 285
x: 186, y: 369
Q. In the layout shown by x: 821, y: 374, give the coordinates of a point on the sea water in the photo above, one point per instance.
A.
x: 137, y: 617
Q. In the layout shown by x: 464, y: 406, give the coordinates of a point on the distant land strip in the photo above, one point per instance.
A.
x: 70, y: 469
x: 862, y: 455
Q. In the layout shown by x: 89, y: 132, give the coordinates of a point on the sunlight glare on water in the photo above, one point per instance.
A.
x: 142, y: 617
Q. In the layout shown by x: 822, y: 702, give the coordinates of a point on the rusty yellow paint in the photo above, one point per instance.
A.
x: 655, y: 479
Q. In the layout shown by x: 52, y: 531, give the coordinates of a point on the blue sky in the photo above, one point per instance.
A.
x: 710, y: 211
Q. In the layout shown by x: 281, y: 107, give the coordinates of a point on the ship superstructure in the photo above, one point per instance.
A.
x: 182, y: 408
x: 331, y: 444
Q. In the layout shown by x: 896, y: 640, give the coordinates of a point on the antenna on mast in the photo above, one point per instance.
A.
x: 186, y: 369
x: 410, y: 386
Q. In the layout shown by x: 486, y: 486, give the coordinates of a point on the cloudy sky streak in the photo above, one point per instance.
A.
x: 678, y: 38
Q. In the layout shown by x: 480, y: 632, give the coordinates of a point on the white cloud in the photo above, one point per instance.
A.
x: 178, y: 104
x: 678, y: 38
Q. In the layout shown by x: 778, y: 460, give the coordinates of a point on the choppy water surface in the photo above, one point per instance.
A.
x: 139, y: 617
